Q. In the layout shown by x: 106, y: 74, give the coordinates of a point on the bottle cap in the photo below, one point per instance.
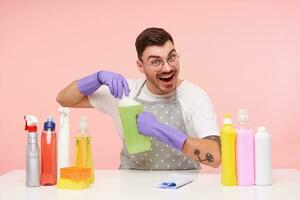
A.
x: 261, y: 129
x: 49, y: 124
x: 227, y: 119
x: 243, y: 115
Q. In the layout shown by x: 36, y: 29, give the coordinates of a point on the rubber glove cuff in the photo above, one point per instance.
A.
x: 89, y: 84
x: 175, y: 137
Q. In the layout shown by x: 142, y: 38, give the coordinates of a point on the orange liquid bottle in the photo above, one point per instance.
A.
x: 48, y: 154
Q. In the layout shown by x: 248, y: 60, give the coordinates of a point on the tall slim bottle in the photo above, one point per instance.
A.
x: 83, y: 153
x: 32, y: 152
x: 263, y: 157
x: 48, y: 154
x: 228, y: 142
x: 245, y: 150
x: 63, y: 139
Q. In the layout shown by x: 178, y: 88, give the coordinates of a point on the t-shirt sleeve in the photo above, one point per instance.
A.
x: 203, y: 116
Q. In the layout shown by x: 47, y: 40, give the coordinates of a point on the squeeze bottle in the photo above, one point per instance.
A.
x: 48, y: 154
x: 228, y: 140
x: 245, y: 150
x: 263, y: 157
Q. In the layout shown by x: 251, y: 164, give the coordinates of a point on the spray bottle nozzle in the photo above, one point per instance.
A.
x: 64, y: 110
x: 83, y: 125
x: 30, y: 123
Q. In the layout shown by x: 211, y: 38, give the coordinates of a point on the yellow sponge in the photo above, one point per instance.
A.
x: 64, y: 183
x: 76, y: 173
x: 74, y: 178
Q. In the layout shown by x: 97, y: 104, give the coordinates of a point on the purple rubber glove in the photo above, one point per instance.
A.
x: 148, y: 125
x: 116, y: 83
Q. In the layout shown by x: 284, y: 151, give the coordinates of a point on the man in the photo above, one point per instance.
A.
x: 178, y: 117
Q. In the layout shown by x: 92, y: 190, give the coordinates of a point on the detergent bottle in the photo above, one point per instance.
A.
x: 245, y: 150
x: 32, y: 152
x: 228, y: 142
x: 63, y: 139
x: 263, y: 157
x: 83, y: 154
x: 48, y: 154
x: 134, y: 141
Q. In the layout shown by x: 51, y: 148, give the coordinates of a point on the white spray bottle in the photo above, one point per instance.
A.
x: 32, y: 152
x: 63, y: 139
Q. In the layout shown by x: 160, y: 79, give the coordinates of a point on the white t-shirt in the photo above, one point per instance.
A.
x: 198, y: 113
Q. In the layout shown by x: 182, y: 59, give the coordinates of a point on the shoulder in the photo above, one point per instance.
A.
x: 191, y: 92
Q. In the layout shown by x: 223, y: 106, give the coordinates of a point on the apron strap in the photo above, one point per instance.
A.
x: 140, y: 90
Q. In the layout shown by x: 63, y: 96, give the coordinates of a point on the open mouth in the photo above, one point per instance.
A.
x: 167, y: 78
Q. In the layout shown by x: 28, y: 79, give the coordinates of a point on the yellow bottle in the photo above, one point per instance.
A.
x: 228, y: 141
x: 83, y: 153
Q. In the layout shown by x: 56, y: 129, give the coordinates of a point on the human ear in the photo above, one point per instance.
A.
x: 140, y: 66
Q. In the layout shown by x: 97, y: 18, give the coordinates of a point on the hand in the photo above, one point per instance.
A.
x: 116, y: 83
x: 148, y: 125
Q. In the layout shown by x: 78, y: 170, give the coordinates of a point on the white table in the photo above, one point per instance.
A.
x: 132, y: 184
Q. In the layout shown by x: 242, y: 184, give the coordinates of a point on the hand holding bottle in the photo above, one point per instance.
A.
x: 148, y: 125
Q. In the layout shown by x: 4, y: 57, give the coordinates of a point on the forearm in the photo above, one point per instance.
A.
x: 205, y: 150
x: 70, y: 96
x: 76, y: 94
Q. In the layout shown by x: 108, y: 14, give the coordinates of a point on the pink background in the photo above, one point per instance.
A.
x: 244, y: 54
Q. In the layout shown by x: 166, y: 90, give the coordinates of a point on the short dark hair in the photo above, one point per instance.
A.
x: 151, y: 37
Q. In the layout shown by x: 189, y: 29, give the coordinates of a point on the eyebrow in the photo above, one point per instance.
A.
x: 154, y: 56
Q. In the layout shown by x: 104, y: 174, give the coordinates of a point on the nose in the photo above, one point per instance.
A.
x: 166, y: 67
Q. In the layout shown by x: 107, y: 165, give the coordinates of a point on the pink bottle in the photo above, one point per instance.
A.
x: 245, y: 150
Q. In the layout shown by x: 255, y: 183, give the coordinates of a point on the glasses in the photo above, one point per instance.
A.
x: 158, y: 63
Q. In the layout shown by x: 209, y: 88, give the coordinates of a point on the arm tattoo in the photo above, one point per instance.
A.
x: 208, y: 157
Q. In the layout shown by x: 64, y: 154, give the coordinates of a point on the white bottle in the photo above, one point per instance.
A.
x: 263, y: 157
x: 63, y: 139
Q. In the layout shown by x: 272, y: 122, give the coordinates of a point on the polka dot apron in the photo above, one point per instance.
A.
x: 160, y: 156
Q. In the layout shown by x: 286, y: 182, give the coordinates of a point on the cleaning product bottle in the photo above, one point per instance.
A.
x: 263, y: 157
x: 48, y: 154
x: 63, y: 139
x: 32, y: 152
x: 245, y: 150
x: 83, y: 154
x: 134, y: 141
x: 228, y: 140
